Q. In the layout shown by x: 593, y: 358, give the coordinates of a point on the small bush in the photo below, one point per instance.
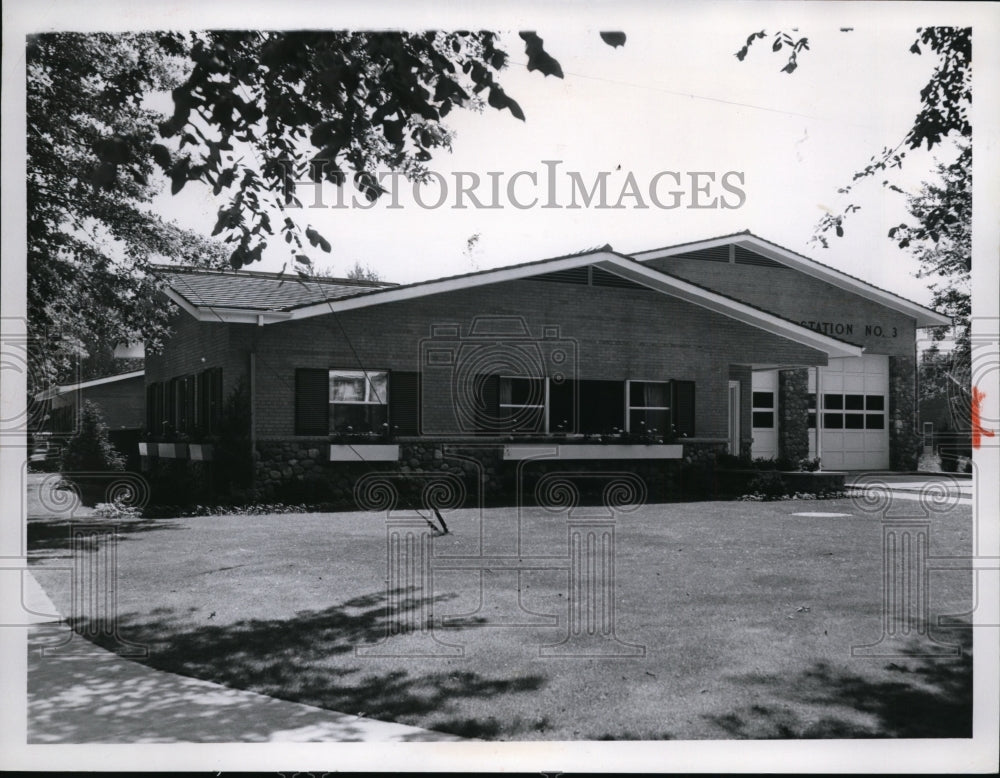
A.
x: 89, y: 449
x: 768, y: 483
x: 118, y: 509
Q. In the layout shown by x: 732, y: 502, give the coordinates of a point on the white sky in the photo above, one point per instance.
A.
x: 674, y: 98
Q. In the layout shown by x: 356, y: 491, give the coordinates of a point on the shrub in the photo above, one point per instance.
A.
x: 118, y: 509
x: 89, y: 453
x: 89, y: 449
x: 769, y: 484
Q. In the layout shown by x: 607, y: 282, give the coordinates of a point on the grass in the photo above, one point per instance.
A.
x: 746, y: 613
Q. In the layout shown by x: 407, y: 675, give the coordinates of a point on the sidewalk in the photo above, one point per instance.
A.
x: 79, y: 693
x: 911, y: 485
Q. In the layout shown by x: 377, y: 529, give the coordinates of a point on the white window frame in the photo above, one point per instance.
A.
x: 772, y: 409
x: 545, y: 398
x: 629, y: 407
x: 369, y: 389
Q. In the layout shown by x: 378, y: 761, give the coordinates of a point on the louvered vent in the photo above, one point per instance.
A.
x: 715, y: 254
x: 604, y: 278
x: 745, y: 257
x: 576, y: 275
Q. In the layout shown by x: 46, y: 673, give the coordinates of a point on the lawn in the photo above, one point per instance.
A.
x: 744, y: 616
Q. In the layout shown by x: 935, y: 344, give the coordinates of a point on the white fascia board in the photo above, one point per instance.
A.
x: 675, y: 287
x: 99, y: 381
x: 925, y: 317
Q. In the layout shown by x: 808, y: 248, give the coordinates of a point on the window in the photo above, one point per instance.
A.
x: 359, y: 400
x: 763, y: 410
x: 648, y: 407
x: 523, y: 403
x: 849, y: 412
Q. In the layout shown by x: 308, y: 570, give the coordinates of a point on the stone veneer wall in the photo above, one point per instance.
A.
x: 793, y: 405
x: 904, y: 440
x: 463, y: 473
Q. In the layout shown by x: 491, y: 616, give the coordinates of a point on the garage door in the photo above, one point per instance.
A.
x: 853, y: 413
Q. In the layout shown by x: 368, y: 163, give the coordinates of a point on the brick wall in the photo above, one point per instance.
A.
x: 609, y: 333
x: 196, y: 346
x: 801, y: 298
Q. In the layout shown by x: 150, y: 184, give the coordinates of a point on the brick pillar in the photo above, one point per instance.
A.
x: 793, y: 412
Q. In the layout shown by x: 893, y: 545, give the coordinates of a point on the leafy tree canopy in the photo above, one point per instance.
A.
x: 253, y: 112
x: 945, y: 105
x: 90, y: 178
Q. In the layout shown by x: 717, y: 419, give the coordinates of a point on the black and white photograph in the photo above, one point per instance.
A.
x: 500, y: 387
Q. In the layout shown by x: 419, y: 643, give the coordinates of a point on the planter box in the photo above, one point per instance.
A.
x: 516, y: 451
x: 364, y: 452
x: 172, y: 450
x: 200, y: 452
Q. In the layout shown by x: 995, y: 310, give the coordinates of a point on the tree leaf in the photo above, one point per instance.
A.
x: 538, y: 58
x: 614, y: 39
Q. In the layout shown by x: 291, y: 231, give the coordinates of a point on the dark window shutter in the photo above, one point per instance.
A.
x: 602, y: 406
x: 159, y: 412
x: 312, y: 401
x: 683, y: 407
x: 563, y: 416
x: 150, y: 408
x: 209, y: 400
x: 404, y: 403
x: 172, y: 403
x: 189, y: 404
x: 214, y: 418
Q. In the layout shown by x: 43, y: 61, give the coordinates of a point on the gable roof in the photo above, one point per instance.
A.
x: 180, y: 290
x: 256, y: 291
x: 925, y: 317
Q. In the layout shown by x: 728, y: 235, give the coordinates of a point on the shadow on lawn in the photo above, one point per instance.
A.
x: 54, y: 536
x: 913, y: 697
x: 303, y: 660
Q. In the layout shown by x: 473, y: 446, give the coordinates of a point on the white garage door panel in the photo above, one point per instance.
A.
x: 851, y: 449
x: 765, y: 439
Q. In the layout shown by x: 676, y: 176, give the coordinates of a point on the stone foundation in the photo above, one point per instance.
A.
x: 469, y: 474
